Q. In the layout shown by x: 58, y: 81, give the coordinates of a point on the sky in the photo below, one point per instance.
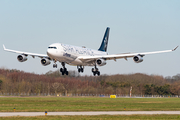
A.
x: 135, y: 26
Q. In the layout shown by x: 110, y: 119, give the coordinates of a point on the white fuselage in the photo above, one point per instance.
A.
x: 69, y: 54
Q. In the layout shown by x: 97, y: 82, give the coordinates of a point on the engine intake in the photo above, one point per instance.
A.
x: 21, y: 58
x: 101, y: 62
x: 138, y: 59
x: 45, y: 61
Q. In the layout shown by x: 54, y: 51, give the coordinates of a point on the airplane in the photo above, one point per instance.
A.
x: 81, y: 56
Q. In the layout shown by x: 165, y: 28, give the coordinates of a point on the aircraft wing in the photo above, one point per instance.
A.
x: 27, y: 53
x: 119, y: 56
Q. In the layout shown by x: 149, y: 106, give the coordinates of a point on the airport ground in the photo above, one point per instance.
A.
x: 66, y: 104
x: 98, y: 117
x: 80, y: 104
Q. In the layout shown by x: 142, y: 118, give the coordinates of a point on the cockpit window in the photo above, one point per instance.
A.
x: 52, y: 47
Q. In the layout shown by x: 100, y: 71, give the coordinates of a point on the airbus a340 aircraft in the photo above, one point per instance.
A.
x: 81, y: 56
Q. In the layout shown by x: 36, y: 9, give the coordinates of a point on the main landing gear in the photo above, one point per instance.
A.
x: 80, y: 69
x: 64, y: 69
x: 95, y: 71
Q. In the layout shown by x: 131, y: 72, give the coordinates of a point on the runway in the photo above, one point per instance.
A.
x: 3, y: 114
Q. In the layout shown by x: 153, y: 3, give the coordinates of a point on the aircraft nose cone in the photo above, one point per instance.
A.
x: 49, y: 52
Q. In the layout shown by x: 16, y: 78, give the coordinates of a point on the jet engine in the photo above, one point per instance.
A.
x: 101, y: 62
x: 45, y: 61
x: 138, y: 59
x: 21, y: 58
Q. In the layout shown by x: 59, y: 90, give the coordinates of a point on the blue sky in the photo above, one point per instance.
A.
x: 135, y: 26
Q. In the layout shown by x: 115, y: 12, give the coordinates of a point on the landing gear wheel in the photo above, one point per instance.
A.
x: 54, y: 65
x: 95, y: 71
x: 67, y: 72
x: 80, y: 69
x: 61, y: 70
x: 98, y: 73
x: 64, y: 70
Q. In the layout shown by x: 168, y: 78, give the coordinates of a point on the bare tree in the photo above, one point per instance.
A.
x: 55, y: 86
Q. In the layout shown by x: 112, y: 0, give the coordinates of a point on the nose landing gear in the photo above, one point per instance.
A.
x: 55, y: 65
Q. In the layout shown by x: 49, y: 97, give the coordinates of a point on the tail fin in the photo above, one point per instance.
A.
x: 104, y: 43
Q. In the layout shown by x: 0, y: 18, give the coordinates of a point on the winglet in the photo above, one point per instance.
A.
x: 175, y: 48
x: 4, y: 47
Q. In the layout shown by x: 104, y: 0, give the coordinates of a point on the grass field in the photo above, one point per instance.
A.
x: 50, y: 104
x: 99, y: 117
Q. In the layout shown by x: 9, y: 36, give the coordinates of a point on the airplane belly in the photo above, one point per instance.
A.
x: 67, y: 58
x: 76, y: 62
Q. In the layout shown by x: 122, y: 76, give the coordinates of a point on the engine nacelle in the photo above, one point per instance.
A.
x: 45, y: 61
x: 138, y: 59
x: 101, y: 62
x: 21, y: 58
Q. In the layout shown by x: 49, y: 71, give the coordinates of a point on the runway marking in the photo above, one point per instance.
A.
x: 3, y: 114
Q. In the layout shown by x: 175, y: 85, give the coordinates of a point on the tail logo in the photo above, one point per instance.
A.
x: 105, y: 43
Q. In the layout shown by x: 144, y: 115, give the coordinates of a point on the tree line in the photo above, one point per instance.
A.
x: 15, y: 81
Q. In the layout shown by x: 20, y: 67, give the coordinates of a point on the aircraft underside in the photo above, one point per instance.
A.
x: 80, y: 66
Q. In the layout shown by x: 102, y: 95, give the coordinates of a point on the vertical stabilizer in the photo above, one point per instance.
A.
x: 104, y: 43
